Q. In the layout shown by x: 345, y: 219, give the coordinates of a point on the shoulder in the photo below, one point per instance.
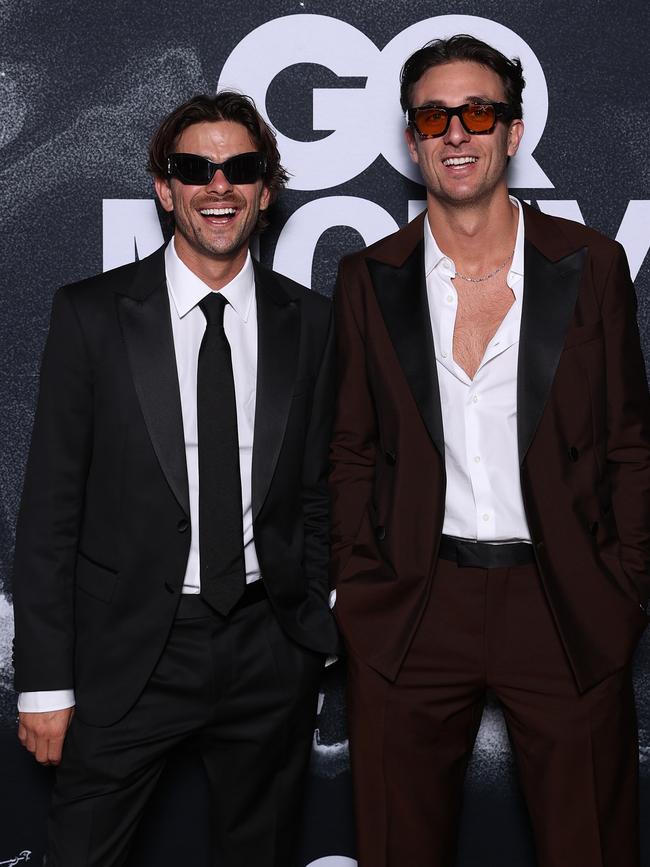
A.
x: 136, y: 278
x: 558, y: 233
x: 393, y: 250
x: 285, y: 290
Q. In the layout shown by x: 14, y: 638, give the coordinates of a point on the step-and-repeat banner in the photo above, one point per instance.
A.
x: 82, y: 87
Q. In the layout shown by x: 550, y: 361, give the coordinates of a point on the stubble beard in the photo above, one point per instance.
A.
x: 216, y: 247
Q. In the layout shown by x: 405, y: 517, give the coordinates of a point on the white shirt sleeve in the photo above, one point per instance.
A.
x: 45, y: 700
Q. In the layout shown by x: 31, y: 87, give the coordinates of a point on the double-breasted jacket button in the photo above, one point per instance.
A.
x: 391, y: 458
x: 574, y: 454
x: 380, y: 532
x: 182, y: 525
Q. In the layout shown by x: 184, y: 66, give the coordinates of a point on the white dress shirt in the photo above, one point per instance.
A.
x: 188, y: 325
x: 483, y: 498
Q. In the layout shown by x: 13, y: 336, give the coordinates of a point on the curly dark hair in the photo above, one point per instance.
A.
x: 226, y: 105
x: 468, y: 48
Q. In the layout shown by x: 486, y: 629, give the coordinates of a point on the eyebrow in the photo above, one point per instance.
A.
x: 469, y: 100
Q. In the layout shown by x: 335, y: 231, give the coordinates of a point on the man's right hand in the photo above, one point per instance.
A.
x: 43, y: 733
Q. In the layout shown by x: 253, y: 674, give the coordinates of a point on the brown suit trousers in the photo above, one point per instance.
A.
x: 411, y: 739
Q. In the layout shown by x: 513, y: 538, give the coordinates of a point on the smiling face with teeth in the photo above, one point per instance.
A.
x: 459, y: 168
x: 214, y: 222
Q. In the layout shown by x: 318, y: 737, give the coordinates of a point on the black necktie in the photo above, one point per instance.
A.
x: 221, y: 542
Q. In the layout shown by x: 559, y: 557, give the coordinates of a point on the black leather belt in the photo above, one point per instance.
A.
x: 193, y: 605
x: 486, y: 555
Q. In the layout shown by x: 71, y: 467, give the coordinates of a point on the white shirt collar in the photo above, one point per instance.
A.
x: 434, y: 257
x: 517, y: 266
x: 186, y: 289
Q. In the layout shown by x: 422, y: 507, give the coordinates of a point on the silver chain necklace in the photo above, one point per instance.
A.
x: 487, y: 276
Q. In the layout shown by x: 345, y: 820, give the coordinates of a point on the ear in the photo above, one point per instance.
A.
x: 164, y: 193
x: 265, y: 198
x: 411, y: 144
x: 515, y: 132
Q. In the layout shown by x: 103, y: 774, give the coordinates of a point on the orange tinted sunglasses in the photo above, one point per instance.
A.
x: 477, y: 118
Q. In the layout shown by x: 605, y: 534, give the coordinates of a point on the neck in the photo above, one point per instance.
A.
x: 476, y: 236
x: 215, y: 271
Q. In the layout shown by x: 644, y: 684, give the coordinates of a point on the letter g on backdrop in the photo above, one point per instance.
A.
x: 351, y: 147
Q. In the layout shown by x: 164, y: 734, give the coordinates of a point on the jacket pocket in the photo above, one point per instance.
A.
x: 97, y: 581
x: 583, y: 334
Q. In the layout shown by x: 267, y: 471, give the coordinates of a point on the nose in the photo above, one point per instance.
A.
x: 456, y: 133
x: 219, y: 183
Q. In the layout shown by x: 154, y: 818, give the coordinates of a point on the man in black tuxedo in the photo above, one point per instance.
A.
x: 172, y: 543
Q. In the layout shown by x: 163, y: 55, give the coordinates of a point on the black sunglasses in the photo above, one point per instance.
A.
x: 477, y: 118
x: 192, y: 169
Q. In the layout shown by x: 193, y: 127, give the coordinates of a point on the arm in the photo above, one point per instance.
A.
x: 48, y: 528
x: 315, y: 500
x: 353, y: 447
x: 628, y: 425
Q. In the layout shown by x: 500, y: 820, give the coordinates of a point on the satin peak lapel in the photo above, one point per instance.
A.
x: 147, y: 330
x: 550, y: 294
x: 278, y: 342
x: 402, y: 297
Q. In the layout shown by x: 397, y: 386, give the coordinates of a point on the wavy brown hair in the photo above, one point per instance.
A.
x: 467, y: 48
x: 226, y: 105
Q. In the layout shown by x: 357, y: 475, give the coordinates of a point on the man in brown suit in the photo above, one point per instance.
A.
x: 491, y: 492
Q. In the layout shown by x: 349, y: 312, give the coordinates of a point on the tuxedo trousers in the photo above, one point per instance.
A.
x: 410, y: 741
x: 247, y: 696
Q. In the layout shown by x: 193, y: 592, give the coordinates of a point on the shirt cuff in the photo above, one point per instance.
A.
x: 332, y: 598
x: 45, y: 700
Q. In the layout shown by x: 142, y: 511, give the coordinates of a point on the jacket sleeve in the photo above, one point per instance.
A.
x: 628, y: 424
x: 50, y: 513
x: 353, y: 446
x: 315, y: 499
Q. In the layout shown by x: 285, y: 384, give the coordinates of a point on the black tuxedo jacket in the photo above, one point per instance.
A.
x: 583, y: 424
x: 104, y: 528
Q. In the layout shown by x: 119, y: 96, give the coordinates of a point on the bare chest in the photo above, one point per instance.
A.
x: 481, y: 310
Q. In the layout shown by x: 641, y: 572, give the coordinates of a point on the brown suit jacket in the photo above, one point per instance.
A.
x: 583, y: 417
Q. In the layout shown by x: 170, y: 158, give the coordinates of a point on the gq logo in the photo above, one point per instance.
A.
x: 367, y: 121
x: 353, y: 142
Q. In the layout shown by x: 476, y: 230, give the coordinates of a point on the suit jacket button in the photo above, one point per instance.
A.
x: 390, y: 458
x: 169, y: 587
x: 540, y: 547
x: 182, y: 525
x: 574, y: 454
x: 380, y: 532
